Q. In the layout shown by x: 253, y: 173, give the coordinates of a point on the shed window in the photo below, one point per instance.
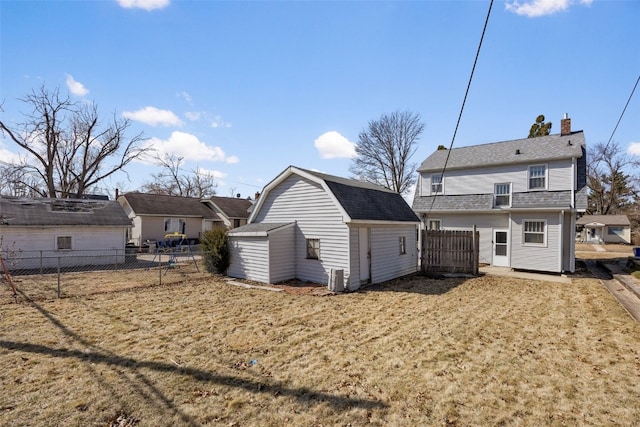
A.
x: 535, y: 232
x: 313, y: 248
x: 403, y: 245
x: 537, y: 177
x: 63, y: 242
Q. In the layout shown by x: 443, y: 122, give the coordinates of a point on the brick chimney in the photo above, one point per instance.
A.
x: 565, y: 125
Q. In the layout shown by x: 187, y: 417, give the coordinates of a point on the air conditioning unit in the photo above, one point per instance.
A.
x: 336, y: 280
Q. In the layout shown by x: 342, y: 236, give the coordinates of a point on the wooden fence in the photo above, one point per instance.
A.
x: 450, y: 251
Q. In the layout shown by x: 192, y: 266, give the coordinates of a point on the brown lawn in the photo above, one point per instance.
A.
x: 483, y: 351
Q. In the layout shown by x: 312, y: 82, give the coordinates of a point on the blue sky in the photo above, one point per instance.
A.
x: 242, y: 89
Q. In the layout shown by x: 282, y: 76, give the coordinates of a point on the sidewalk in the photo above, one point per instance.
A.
x: 508, y: 272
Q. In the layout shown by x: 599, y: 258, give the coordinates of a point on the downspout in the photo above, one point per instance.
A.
x: 574, y: 174
x: 561, y: 234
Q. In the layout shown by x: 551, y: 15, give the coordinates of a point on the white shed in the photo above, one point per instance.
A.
x: 307, y: 225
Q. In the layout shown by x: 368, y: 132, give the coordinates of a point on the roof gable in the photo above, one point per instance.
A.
x: 161, y: 204
x: 360, y: 201
x: 526, y: 150
x: 17, y: 211
x: 231, y: 207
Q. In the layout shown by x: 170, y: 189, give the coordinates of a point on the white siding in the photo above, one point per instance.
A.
x: 485, y: 224
x: 249, y: 258
x: 35, y: 247
x: 317, y: 217
x: 352, y: 281
x: 529, y: 257
x: 482, y: 180
x: 386, y: 261
x: 281, y: 252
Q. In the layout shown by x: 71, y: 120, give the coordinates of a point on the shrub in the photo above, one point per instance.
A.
x: 215, y: 251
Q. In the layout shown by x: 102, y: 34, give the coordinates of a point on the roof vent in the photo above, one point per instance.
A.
x: 517, y: 152
x: 569, y: 142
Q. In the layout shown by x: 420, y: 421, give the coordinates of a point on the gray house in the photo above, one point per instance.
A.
x: 523, y: 195
x: 316, y: 227
x: 40, y: 233
x: 604, y: 229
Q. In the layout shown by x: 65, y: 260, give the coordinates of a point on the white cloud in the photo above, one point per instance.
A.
x: 144, y: 4
x: 217, y: 122
x: 189, y: 147
x: 7, y: 156
x: 76, y: 87
x: 332, y: 145
x: 153, y: 116
x: 634, y: 149
x: 193, y: 115
x: 536, y: 8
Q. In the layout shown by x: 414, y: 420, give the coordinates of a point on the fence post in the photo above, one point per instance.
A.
x: 475, y: 252
x: 41, y: 263
x: 160, y: 267
x: 59, y: 296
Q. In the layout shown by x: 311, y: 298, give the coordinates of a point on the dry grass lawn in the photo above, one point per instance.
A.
x: 482, y: 351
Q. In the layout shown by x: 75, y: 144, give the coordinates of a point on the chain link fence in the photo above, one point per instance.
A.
x: 48, y: 274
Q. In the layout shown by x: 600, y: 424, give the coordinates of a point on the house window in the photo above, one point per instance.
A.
x: 313, y: 248
x: 433, y: 224
x: 502, y: 195
x: 237, y: 223
x: 537, y: 177
x: 63, y: 242
x: 535, y: 232
x: 403, y: 245
x: 436, y: 184
x: 615, y: 231
x: 174, y: 225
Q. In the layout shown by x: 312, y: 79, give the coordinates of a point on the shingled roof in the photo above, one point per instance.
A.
x: 362, y: 201
x: 231, y: 207
x: 526, y: 150
x: 16, y: 211
x: 161, y: 204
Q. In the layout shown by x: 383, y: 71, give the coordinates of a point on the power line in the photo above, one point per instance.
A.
x: 464, y: 101
x: 623, y: 111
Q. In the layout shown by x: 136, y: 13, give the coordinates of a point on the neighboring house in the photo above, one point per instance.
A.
x: 311, y: 226
x: 523, y: 196
x: 234, y: 212
x: 39, y: 233
x: 155, y: 215
x: 604, y: 229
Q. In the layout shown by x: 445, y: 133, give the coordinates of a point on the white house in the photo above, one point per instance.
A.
x: 604, y: 229
x: 313, y: 227
x: 234, y: 211
x: 45, y: 233
x: 523, y: 196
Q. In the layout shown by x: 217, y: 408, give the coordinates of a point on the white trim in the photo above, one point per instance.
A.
x: 545, y: 233
x: 546, y: 177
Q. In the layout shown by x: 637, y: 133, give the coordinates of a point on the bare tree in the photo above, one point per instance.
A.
x: 385, y: 148
x: 173, y: 180
x: 611, y: 189
x: 68, y: 149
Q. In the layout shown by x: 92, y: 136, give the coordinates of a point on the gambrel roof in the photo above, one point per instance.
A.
x: 164, y: 205
x: 526, y: 150
x: 361, y: 201
x: 18, y: 211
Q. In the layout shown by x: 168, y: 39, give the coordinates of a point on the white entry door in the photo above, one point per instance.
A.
x: 501, y: 248
x: 365, y: 255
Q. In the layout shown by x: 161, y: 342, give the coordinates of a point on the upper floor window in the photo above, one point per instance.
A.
x: 403, y: 245
x: 436, y: 184
x: 502, y: 195
x: 535, y: 232
x: 537, y: 177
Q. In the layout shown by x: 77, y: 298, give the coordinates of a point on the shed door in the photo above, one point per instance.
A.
x: 365, y: 255
x: 501, y: 248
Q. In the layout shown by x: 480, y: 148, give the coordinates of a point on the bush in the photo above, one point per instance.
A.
x: 215, y: 251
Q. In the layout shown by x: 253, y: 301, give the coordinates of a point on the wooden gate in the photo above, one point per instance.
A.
x: 449, y: 251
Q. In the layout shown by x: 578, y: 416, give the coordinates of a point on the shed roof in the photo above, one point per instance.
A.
x: 161, y: 204
x: 526, y: 150
x: 259, y: 228
x: 18, y: 211
x: 604, y: 219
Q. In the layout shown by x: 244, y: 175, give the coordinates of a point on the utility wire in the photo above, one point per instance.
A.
x: 464, y: 101
x: 623, y: 111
